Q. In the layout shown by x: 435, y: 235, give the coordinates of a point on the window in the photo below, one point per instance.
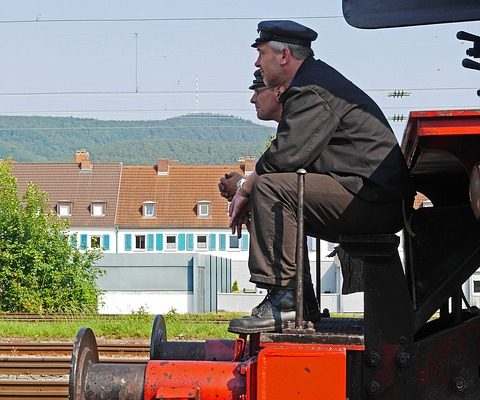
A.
x: 171, y: 242
x: 64, y: 209
x: 203, y: 209
x: 149, y: 209
x: 234, y: 243
x: 476, y: 286
x: 140, y: 242
x: 202, y: 242
x: 97, y: 209
x: 427, y: 203
x: 331, y: 246
x: 95, y: 242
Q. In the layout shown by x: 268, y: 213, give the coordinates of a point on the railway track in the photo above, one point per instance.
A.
x: 30, y: 370
x: 29, y: 390
x: 18, y: 348
x: 51, y: 365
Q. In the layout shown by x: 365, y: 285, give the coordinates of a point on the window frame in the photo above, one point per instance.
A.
x: 230, y: 247
x: 168, y: 246
x: 61, y: 205
x: 145, y: 206
x: 137, y: 238
x: 204, y: 246
x: 475, y: 286
x: 95, y: 204
x: 99, y: 243
x: 200, y: 205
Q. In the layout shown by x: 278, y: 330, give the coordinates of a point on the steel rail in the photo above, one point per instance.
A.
x: 34, y: 389
x: 18, y: 348
x: 51, y: 365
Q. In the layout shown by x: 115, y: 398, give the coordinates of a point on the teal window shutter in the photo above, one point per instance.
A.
x: 189, y: 241
x: 106, y: 242
x: 150, y: 242
x: 159, y: 242
x: 244, y: 244
x: 83, y: 241
x: 73, y: 240
x: 223, y: 242
x: 128, y: 242
x: 212, y: 241
x: 181, y: 242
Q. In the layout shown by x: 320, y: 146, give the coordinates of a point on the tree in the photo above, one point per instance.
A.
x: 40, y: 270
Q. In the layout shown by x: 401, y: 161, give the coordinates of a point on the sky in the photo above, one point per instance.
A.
x: 145, y: 60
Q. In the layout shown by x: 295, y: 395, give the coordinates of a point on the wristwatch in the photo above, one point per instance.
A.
x: 240, y: 183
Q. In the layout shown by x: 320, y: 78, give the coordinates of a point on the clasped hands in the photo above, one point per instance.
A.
x: 239, y: 209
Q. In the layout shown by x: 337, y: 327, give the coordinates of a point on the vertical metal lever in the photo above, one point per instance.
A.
x: 300, y: 247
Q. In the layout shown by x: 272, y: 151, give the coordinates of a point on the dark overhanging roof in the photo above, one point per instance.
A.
x: 373, y: 14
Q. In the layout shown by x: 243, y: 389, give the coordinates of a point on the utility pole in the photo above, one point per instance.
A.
x: 135, y: 35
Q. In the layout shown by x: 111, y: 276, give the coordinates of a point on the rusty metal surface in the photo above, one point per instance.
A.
x: 347, y: 331
x: 162, y: 349
x: 92, y: 380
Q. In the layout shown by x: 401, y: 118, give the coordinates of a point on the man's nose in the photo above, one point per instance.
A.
x: 257, y: 62
x: 253, y: 99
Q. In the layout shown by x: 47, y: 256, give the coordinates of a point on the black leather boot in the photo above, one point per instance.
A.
x: 311, y: 312
x: 270, y: 315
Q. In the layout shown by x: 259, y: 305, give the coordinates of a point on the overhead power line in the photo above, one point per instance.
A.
x: 56, y: 20
x: 140, y: 92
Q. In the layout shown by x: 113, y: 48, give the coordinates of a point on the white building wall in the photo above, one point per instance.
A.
x: 126, y: 302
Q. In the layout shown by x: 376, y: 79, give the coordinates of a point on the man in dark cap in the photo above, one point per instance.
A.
x: 269, y: 108
x: 357, y: 179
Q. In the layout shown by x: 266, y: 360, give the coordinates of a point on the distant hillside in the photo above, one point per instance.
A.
x: 193, y: 138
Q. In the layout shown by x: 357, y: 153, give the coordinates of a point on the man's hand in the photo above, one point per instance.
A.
x: 228, y: 185
x: 239, y: 214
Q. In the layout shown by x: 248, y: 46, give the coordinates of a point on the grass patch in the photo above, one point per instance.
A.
x: 133, y: 326
x: 136, y: 326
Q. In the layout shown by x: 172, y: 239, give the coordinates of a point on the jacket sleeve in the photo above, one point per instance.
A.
x: 306, y: 127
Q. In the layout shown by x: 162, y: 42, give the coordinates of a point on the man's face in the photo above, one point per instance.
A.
x: 266, y: 104
x: 269, y: 62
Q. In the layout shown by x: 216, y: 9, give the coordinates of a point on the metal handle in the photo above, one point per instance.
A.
x: 300, y: 241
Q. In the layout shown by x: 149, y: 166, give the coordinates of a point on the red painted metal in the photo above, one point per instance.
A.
x: 302, y: 372
x: 219, y: 380
x: 454, y: 131
x: 279, y: 371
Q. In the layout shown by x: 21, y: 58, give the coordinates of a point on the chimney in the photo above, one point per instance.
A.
x: 81, y: 155
x: 163, y: 166
x: 83, y: 159
x: 247, y: 164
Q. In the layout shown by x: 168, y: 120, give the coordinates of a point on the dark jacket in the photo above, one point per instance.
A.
x: 330, y: 126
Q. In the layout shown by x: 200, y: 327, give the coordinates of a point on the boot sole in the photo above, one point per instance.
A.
x: 254, y: 330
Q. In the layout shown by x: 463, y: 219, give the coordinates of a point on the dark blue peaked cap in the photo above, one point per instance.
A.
x: 257, y: 81
x: 286, y: 32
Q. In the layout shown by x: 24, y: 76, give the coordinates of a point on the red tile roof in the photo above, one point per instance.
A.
x: 175, y: 194
x: 67, y: 182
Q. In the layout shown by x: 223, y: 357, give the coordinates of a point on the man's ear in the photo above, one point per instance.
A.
x: 286, y: 55
x: 278, y: 92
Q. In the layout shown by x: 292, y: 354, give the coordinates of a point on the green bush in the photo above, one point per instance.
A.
x: 40, y: 270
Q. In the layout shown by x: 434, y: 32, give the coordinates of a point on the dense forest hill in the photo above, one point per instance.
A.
x: 193, y: 138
